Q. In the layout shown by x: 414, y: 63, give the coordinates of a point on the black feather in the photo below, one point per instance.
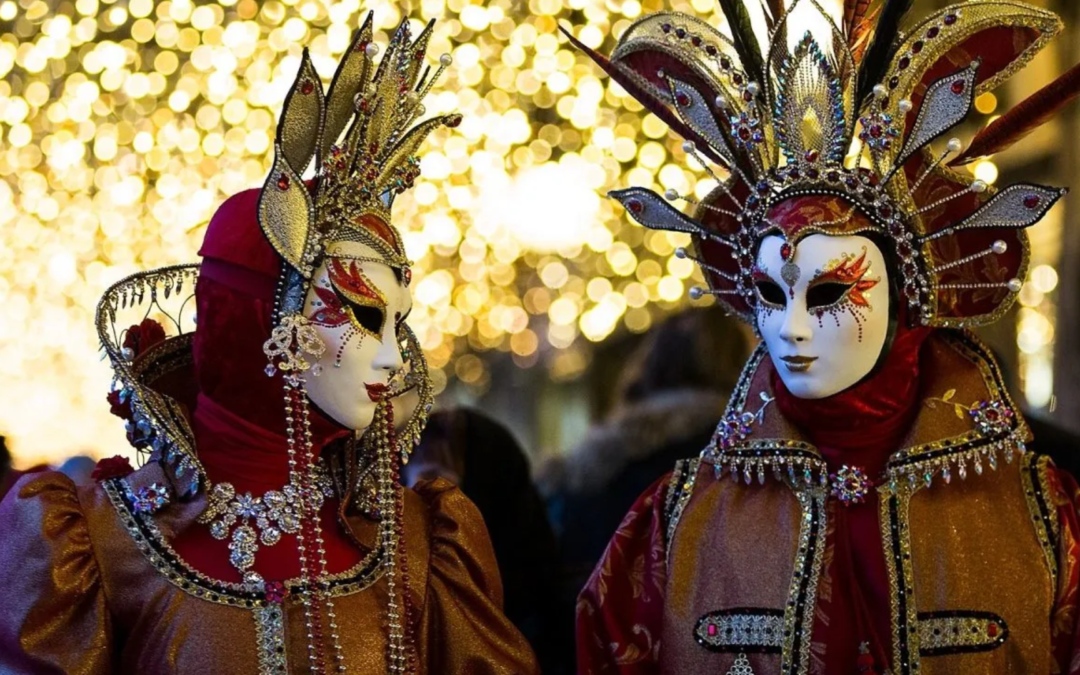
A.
x: 879, y: 53
x: 774, y: 11
x: 742, y: 34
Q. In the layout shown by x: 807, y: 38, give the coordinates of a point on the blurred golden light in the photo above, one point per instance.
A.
x: 124, y: 125
x: 1044, y: 278
x: 986, y: 171
x: 986, y: 103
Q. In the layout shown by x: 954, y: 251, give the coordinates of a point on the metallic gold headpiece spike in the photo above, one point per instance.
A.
x: 361, y: 167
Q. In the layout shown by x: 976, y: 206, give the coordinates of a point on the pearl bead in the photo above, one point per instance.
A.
x: 445, y: 60
x: 1015, y: 285
x: 978, y: 186
x: 671, y: 195
x: 1000, y: 247
x: 905, y: 106
x: 954, y: 145
x: 680, y: 253
x: 371, y: 50
x: 721, y: 102
x: 696, y: 292
x: 688, y: 147
x: 753, y: 88
x: 879, y: 90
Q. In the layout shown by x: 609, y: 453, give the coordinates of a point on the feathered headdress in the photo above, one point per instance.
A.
x: 850, y: 119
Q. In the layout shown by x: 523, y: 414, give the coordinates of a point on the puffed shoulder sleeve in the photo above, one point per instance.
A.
x: 462, y: 626
x: 53, y: 615
x: 620, y: 610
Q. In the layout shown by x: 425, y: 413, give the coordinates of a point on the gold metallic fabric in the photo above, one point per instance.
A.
x: 81, y: 597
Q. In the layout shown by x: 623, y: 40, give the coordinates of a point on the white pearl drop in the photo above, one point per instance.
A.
x: 721, y: 102
x: 978, y: 186
x: 954, y: 145
x: 753, y: 88
x: 688, y: 147
x: 445, y: 60
x: 1015, y: 285
x: 371, y: 50
x: 1000, y: 247
x: 905, y: 106
x: 680, y: 253
x: 671, y: 195
x: 879, y: 90
x: 696, y: 292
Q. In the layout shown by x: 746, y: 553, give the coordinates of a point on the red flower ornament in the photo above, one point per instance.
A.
x: 143, y: 336
x: 112, y: 467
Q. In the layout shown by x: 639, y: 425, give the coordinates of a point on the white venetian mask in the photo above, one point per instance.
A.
x: 823, y: 310
x: 356, y: 306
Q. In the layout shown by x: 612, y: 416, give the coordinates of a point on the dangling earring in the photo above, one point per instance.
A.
x: 413, y: 375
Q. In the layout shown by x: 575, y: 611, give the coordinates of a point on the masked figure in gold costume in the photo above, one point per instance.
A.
x: 867, y: 504
x: 268, y: 532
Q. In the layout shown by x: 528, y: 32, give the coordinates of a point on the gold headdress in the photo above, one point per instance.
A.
x: 848, y: 123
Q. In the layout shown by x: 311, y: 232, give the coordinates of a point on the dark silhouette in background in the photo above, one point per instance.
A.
x: 670, y: 396
x: 484, y: 459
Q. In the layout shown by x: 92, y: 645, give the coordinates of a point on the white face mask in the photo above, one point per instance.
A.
x: 356, y: 307
x: 823, y: 312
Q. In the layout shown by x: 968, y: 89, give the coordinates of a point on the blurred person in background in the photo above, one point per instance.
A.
x: 671, y: 394
x: 482, y: 457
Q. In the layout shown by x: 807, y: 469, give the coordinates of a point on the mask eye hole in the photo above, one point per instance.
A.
x: 771, y: 293
x: 823, y: 295
x: 370, y: 319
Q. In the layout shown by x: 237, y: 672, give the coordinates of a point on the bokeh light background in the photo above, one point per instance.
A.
x: 124, y: 124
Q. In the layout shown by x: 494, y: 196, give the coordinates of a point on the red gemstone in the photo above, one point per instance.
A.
x: 794, y: 174
x: 725, y: 63
x: 894, y: 82
x: 635, y: 205
x: 683, y: 99
x: 904, y: 249
x: 710, y: 50
x: 832, y: 176
x: 666, y: 27
x: 307, y: 87
x: 813, y: 173
x: 454, y: 121
x: 744, y: 133
x: 812, y: 156
x: 950, y: 19
x: 917, y: 47
x: 885, y: 211
x: 786, y: 251
x: 992, y: 630
x: 283, y: 182
x: 1032, y: 201
x: 747, y: 96
x: 904, y: 62
x: 876, y: 131
x: 737, y: 78
x: 933, y: 32
x: 712, y: 629
x: 680, y: 33
x: 958, y: 87
x: 695, y: 40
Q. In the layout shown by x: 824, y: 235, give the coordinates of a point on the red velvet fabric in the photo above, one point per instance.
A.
x: 239, y: 416
x: 861, y: 426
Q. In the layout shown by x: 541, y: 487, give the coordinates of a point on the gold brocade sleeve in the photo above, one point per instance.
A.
x: 53, y: 615
x: 462, y: 628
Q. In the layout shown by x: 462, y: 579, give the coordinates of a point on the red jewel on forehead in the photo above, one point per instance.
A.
x: 787, y: 251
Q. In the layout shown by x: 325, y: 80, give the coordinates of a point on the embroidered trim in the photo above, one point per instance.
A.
x: 894, y: 530
x: 679, y: 493
x: 741, y: 630
x: 802, y: 598
x: 270, y: 640
x: 960, y: 632
x: 1033, y: 472
x: 162, y: 557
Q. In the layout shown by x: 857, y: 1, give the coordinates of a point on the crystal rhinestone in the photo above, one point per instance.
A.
x: 1032, y: 202
x: 270, y: 370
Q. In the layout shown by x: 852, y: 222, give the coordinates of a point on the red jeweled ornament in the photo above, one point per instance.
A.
x: 786, y: 251
x: 1032, y: 202
x: 958, y: 87
x: 850, y: 485
x: 283, y: 182
x: 275, y: 592
x: 111, y: 467
x: 307, y: 87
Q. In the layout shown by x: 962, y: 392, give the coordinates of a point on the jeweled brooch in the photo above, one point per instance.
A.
x: 850, y: 485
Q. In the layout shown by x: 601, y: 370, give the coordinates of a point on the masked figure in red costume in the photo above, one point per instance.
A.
x: 269, y: 533
x: 867, y: 504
